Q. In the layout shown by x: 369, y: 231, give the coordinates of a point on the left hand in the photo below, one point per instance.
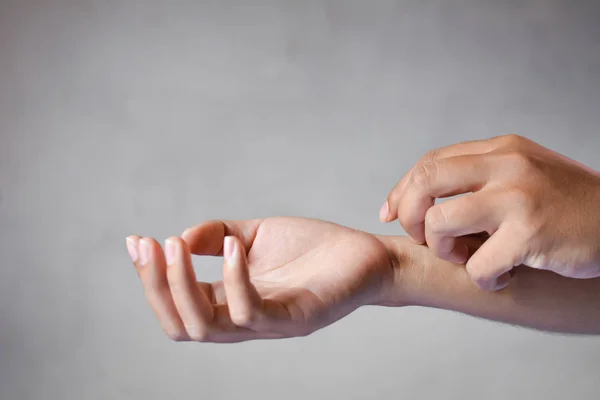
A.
x: 282, y: 277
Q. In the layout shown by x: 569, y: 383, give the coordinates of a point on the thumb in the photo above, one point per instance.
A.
x: 206, y: 239
x: 490, y: 265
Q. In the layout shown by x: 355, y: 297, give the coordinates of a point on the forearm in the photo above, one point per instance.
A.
x: 535, y: 299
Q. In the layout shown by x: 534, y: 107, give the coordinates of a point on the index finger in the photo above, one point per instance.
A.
x: 473, y: 147
x: 435, y: 179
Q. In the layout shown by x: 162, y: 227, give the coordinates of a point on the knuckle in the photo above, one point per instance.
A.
x: 424, y: 174
x: 178, y: 284
x: 518, y: 160
x: 512, y: 139
x: 431, y: 155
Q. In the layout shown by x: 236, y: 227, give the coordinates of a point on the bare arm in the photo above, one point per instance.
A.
x: 536, y: 299
x: 300, y: 275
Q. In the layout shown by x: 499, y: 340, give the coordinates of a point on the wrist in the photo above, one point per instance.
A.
x: 402, y: 288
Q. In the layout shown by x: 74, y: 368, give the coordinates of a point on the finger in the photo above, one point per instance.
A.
x: 207, y: 238
x: 491, y: 264
x: 150, y: 266
x: 216, y: 290
x: 389, y: 213
x: 246, y: 307
x: 193, y: 304
x: 481, y: 211
x: 441, y: 178
x: 245, y: 304
x: 469, y: 147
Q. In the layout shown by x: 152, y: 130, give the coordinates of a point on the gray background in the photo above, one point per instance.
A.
x: 120, y: 117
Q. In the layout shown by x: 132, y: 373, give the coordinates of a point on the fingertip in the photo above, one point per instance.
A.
x: 189, y: 239
x: 185, y: 235
x: 132, y: 247
x: 171, y: 245
x: 177, y: 240
x: 145, y: 249
x: 384, y: 212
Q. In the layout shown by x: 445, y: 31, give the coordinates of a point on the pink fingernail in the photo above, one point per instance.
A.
x: 384, y: 212
x: 144, y: 251
x: 228, y: 247
x: 132, y: 249
x: 170, y: 251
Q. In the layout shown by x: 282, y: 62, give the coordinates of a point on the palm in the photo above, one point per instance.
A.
x: 321, y: 266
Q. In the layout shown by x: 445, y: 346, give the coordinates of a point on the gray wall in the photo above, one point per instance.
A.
x: 121, y: 117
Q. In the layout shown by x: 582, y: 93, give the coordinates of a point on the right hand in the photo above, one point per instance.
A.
x: 540, y: 208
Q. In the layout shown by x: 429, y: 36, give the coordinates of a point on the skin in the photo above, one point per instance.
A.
x: 538, y: 207
x: 286, y: 277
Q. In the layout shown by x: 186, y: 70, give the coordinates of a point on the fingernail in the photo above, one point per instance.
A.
x: 503, y: 281
x: 467, y: 253
x: 132, y: 249
x: 170, y: 251
x: 384, y: 212
x: 460, y: 254
x: 144, y: 251
x: 228, y: 247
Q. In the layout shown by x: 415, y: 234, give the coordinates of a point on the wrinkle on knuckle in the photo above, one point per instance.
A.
x: 431, y: 155
x: 424, y: 174
x: 181, y: 285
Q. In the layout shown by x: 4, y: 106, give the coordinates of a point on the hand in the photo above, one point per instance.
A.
x: 282, y: 277
x: 540, y: 208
